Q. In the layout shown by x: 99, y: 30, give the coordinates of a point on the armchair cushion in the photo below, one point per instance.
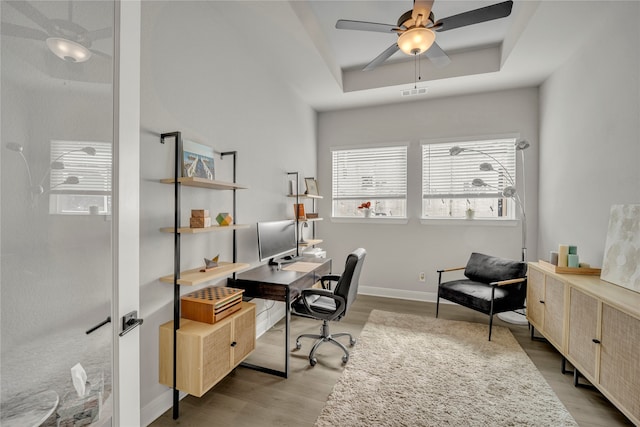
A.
x: 486, y: 269
x: 477, y: 295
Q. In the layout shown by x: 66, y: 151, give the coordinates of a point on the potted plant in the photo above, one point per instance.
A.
x: 470, y: 212
x: 365, y: 208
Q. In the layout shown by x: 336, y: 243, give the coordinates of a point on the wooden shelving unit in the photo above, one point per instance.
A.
x: 195, y: 276
x: 213, y: 228
x: 298, y: 197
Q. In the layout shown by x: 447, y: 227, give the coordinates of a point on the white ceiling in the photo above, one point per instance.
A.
x: 297, y: 40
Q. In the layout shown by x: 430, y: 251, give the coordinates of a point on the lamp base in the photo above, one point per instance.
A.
x: 513, y: 318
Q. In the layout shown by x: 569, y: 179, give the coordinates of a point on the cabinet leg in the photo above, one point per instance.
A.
x: 563, y: 368
x: 534, y: 337
x: 576, y: 380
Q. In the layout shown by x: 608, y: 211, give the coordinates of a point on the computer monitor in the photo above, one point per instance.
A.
x: 276, y: 239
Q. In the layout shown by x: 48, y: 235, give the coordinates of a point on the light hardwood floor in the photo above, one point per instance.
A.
x: 253, y: 399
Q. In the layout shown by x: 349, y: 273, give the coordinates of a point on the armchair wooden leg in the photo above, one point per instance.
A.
x: 437, y: 304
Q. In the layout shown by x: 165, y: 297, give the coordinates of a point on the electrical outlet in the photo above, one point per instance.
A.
x: 421, y: 276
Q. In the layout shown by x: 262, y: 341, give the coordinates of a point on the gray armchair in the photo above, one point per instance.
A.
x: 330, y: 305
x: 492, y: 285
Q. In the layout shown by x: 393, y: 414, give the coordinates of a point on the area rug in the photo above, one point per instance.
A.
x: 409, y: 370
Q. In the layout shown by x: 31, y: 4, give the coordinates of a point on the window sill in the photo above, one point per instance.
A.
x: 370, y: 220
x: 482, y: 222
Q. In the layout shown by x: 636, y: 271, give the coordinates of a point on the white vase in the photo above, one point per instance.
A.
x: 366, y: 212
x: 470, y: 213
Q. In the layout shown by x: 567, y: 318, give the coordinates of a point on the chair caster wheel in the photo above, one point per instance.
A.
x: 298, y: 346
x: 345, y: 359
x: 352, y: 342
x: 313, y: 361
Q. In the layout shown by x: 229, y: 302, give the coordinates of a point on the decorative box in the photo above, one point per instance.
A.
x: 212, y: 304
x: 200, y: 222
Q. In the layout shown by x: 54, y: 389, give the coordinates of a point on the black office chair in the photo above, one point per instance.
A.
x: 493, y: 285
x: 328, y: 305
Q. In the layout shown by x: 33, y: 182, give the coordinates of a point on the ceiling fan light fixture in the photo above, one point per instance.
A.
x: 68, y: 50
x: 416, y: 40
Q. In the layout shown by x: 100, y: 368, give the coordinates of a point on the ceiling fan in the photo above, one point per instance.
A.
x: 68, y: 40
x: 416, y: 29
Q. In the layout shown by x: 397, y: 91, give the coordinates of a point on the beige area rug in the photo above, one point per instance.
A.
x: 409, y: 370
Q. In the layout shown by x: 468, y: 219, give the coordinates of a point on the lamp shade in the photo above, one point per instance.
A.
x: 68, y: 50
x: 416, y: 40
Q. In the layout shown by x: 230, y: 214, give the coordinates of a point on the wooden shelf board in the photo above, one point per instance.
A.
x: 204, y: 183
x: 311, y: 242
x: 304, y: 196
x: 189, y: 230
x: 195, y: 276
x: 569, y: 270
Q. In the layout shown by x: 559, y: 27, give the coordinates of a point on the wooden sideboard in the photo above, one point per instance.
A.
x: 595, y: 325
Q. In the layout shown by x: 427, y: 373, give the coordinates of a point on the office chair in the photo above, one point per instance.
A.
x: 492, y: 285
x: 330, y: 305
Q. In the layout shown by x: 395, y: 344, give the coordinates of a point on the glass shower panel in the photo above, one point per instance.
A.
x: 56, y: 264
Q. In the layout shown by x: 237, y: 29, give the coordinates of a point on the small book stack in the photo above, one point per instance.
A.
x: 212, y: 304
x: 200, y: 218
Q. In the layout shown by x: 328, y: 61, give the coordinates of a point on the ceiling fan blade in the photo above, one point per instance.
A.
x: 437, y: 56
x: 103, y: 33
x: 34, y: 14
x: 489, y: 13
x: 421, y: 7
x: 344, y: 24
x: 382, y: 57
x: 9, y: 29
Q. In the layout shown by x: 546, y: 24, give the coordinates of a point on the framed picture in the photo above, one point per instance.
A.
x: 197, y: 160
x: 312, y: 187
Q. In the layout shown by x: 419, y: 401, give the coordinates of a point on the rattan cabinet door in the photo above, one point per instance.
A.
x: 535, y: 297
x: 620, y: 359
x: 553, y: 327
x: 583, y: 330
x: 244, y: 331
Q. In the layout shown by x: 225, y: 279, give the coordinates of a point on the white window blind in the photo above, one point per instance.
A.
x: 448, y: 179
x: 73, y: 161
x: 377, y: 175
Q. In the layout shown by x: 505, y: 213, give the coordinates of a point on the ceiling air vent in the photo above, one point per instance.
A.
x: 414, y: 91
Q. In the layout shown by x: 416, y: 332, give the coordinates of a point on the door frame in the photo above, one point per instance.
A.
x: 126, y: 211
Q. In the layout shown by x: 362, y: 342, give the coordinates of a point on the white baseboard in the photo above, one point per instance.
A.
x: 397, y: 293
x: 158, y: 406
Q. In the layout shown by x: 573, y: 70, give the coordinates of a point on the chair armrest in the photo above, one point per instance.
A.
x: 340, y: 303
x: 328, y: 278
x: 508, y: 282
x: 446, y: 270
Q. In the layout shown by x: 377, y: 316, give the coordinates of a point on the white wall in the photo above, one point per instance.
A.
x: 198, y: 79
x: 398, y: 252
x: 590, y: 136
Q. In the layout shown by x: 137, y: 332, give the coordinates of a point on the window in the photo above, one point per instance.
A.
x: 474, y: 177
x: 80, y: 177
x: 374, y: 175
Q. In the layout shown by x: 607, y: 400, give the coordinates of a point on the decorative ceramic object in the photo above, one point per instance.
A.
x: 224, y: 219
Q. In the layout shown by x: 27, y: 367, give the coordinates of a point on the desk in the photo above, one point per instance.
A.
x: 269, y: 282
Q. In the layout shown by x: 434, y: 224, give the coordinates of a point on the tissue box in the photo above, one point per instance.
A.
x: 75, y: 411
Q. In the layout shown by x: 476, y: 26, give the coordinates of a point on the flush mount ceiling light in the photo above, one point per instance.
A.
x: 416, y: 40
x: 68, y: 50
